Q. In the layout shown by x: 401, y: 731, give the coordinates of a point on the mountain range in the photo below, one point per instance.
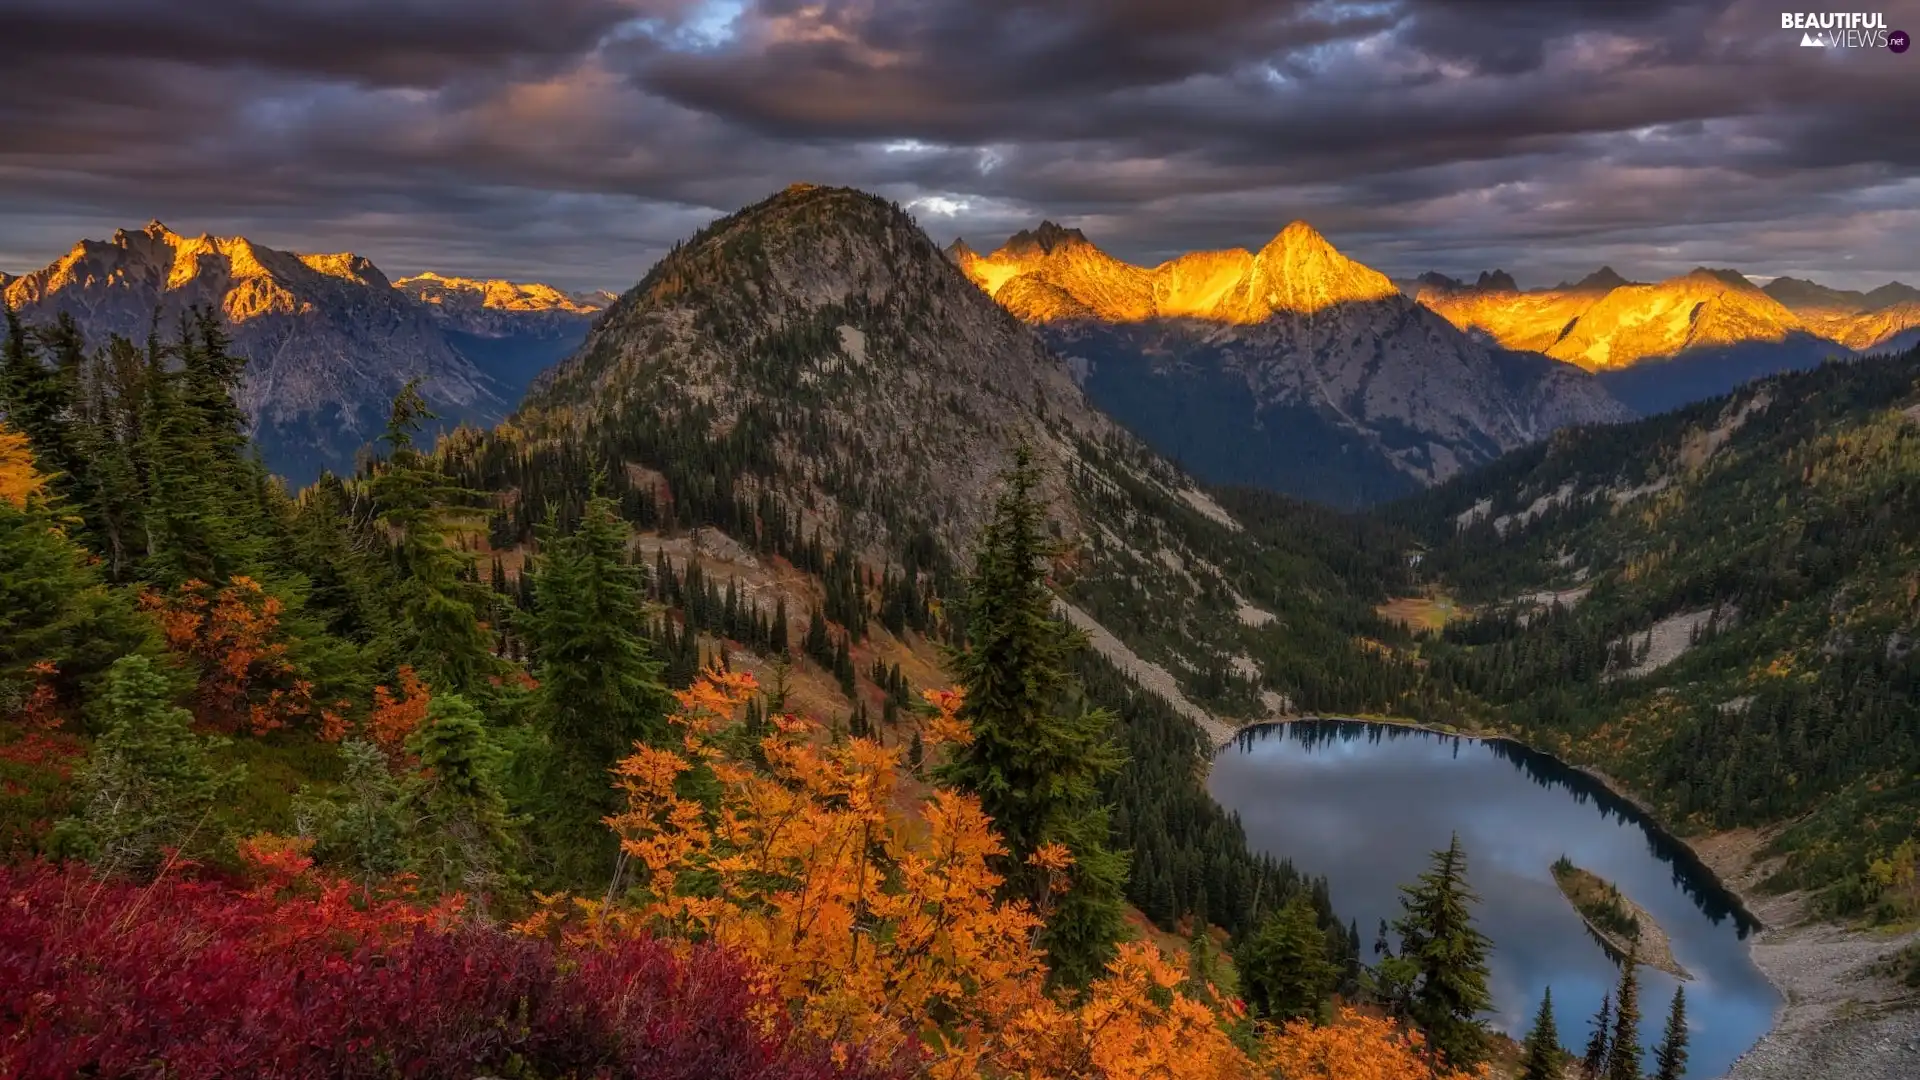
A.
x: 1293, y: 368
x: 1658, y: 346
x: 329, y: 338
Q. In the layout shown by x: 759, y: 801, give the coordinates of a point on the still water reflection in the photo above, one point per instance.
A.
x: 1363, y: 804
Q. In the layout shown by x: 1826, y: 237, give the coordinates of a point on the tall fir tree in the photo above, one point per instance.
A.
x: 1541, y: 1056
x: 600, y: 687
x: 203, y: 493
x: 462, y: 838
x: 1623, y: 1051
x: 437, y: 612
x: 1040, y: 751
x: 1593, y: 1063
x: 1670, y: 1057
x: 1441, y: 967
x: 600, y: 684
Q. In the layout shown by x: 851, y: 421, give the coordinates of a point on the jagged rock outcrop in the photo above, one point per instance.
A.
x: 1293, y: 367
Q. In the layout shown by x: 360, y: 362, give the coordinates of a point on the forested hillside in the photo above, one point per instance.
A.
x: 1718, y: 606
x: 446, y: 720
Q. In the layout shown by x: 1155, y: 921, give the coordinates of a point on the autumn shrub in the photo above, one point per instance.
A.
x: 296, y: 978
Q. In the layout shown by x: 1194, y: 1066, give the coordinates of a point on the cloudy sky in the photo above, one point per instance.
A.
x: 574, y: 140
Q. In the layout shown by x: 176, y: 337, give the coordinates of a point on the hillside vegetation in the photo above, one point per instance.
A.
x: 1718, y: 607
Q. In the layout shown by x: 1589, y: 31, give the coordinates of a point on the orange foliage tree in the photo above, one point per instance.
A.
x: 19, y: 480
x: 1355, y: 1047
x: 398, y: 715
x: 880, y: 926
x: 232, y: 634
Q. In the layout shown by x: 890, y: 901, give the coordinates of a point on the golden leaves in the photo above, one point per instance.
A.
x: 881, y: 929
x: 1355, y: 1047
x: 19, y: 480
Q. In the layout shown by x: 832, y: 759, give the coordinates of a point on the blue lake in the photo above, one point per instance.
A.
x: 1365, y: 804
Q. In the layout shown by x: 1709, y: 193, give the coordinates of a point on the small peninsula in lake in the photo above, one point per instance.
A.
x: 1622, y: 926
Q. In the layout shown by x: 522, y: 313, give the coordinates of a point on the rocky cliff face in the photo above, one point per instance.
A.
x: 1661, y: 345
x: 1293, y: 367
x: 328, y: 338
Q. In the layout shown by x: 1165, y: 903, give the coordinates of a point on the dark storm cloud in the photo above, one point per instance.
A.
x: 387, y: 42
x: 574, y: 140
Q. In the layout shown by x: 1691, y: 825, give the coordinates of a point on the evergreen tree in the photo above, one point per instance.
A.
x: 203, y: 496
x: 600, y: 685
x: 1623, y: 1052
x: 149, y: 785
x: 1285, y: 973
x: 359, y: 822
x: 36, y: 397
x: 1039, y: 752
x: 1670, y: 1057
x: 53, y: 607
x: 437, y: 614
x: 1541, y: 1055
x: 461, y: 841
x: 1442, y: 963
x: 1593, y: 1063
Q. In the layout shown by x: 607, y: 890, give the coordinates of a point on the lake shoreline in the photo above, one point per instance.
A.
x: 1742, y: 903
x: 1835, y: 1018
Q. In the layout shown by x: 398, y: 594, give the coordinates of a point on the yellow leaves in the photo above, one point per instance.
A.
x: 945, y: 725
x: 19, y: 480
x: 1134, y: 1024
x: 1354, y: 1047
x: 879, y: 929
x: 712, y: 702
x: 1056, y: 860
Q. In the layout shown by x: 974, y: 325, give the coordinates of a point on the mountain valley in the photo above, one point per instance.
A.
x: 794, y: 434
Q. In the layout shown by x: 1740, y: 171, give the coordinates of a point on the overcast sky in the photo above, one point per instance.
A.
x: 573, y: 141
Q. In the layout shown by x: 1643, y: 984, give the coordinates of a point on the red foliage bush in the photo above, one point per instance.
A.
x: 189, y: 979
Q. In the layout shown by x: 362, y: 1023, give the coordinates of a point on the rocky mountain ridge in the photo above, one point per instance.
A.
x: 1661, y: 345
x: 1688, y: 337
x: 832, y: 367
x: 1294, y: 367
x: 329, y: 338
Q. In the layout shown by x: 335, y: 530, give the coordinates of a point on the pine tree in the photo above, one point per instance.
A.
x: 1594, y: 1063
x: 149, y: 784
x: 600, y: 685
x: 1670, y: 1057
x: 1442, y: 963
x: 1623, y: 1052
x: 437, y: 625
x: 1039, y: 752
x: 203, y: 496
x: 1284, y: 970
x: 1541, y: 1055
x: 462, y: 840
x: 53, y: 607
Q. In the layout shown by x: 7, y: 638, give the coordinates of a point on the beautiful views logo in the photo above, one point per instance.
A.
x: 1844, y: 30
